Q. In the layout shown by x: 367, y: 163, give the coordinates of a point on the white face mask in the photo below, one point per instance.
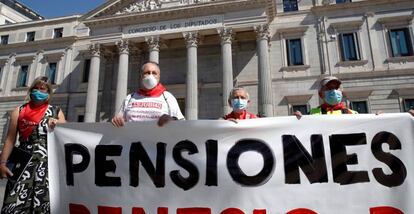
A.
x: 149, y: 82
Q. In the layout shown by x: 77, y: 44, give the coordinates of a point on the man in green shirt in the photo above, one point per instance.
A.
x: 330, y: 91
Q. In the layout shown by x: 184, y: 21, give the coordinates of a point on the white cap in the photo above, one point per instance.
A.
x: 328, y: 79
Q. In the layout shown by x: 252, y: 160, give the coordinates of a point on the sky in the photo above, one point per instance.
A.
x: 58, y: 8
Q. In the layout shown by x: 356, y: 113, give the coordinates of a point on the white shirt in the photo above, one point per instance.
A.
x: 137, y: 107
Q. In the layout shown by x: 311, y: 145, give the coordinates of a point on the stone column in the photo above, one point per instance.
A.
x: 191, y: 104
x: 38, y: 63
x: 9, y: 71
x: 265, y: 77
x: 375, y: 48
x: 93, y: 84
x: 67, y: 63
x: 122, y: 80
x: 227, y: 66
x: 154, y: 48
x: 32, y: 70
x: 67, y: 68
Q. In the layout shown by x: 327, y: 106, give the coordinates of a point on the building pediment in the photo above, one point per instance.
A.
x: 122, y: 7
x: 113, y: 10
x: 140, y: 6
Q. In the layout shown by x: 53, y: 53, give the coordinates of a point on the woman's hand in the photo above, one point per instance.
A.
x: 4, y: 171
x: 52, y: 122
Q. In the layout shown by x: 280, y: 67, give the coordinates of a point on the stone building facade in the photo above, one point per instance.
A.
x: 277, y: 49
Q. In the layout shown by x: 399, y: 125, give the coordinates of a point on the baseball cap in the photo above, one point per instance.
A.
x: 328, y: 79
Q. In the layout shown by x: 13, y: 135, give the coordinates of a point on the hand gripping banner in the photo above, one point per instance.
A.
x: 320, y: 164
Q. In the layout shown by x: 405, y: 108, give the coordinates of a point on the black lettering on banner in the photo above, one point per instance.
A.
x: 137, y: 154
x: 340, y: 159
x: 102, y: 166
x: 399, y: 171
x: 176, y: 177
x: 212, y: 155
x: 295, y: 156
x: 247, y: 145
x: 72, y: 149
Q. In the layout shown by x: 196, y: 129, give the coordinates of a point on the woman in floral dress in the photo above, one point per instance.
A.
x: 30, y: 193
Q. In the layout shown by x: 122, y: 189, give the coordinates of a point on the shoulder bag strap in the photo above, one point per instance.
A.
x: 168, y: 105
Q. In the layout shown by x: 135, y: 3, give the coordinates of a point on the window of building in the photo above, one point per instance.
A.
x: 294, y: 52
x: 349, y: 47
x: 298, y: 103
x: 343, y: 1
x: 360, y: 106
x: 51, y: 72
x: 22, y: 77
x: 81, y: 118
x: 86, y: 69
x: 400, y: 42
x: 290, y: 5
x: 302, y: 108
x: 58, y: 33
x: 408, y: 104
x: 30, y: 36
x: 4, y: 39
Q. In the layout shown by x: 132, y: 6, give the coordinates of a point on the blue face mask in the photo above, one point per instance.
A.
x: 239, y: 104
x: 333, y: 97
x: 38, y: 96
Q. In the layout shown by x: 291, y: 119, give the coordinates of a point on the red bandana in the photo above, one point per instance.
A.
x: 338, y: 106
x: 241, y: 116
x: 155, y: 92
x: 29, y: 118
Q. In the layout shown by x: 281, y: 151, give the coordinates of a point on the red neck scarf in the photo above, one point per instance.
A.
x: 240, y: 116
x: 29, y: 118
x: 155, y: 92
x: 339, y: 106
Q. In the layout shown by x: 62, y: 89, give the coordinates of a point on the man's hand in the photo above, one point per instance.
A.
x: 164, y: 119
x: 298, y: 114
x: 118, y: 121
x: 233, y: 120
x: 411, y: 111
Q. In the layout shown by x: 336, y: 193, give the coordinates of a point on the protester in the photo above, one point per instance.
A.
x: 30, y: 193
x: 150, y: 102
x: 330, y: 91
x: 239, y: 101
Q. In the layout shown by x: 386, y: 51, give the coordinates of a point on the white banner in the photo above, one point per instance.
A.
x: 321, y: 164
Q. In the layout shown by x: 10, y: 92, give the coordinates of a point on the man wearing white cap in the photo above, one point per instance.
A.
x: 330, y: 92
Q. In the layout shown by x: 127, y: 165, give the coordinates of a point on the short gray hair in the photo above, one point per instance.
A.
x: 149, y: 62
x: 238, y: 89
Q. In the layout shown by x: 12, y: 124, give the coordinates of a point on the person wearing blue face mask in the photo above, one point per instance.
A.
x: 330, y: 92
x: 30, y: 123
x: 239, y: 101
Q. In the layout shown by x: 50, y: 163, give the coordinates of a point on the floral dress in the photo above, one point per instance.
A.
x: 30, y: 194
